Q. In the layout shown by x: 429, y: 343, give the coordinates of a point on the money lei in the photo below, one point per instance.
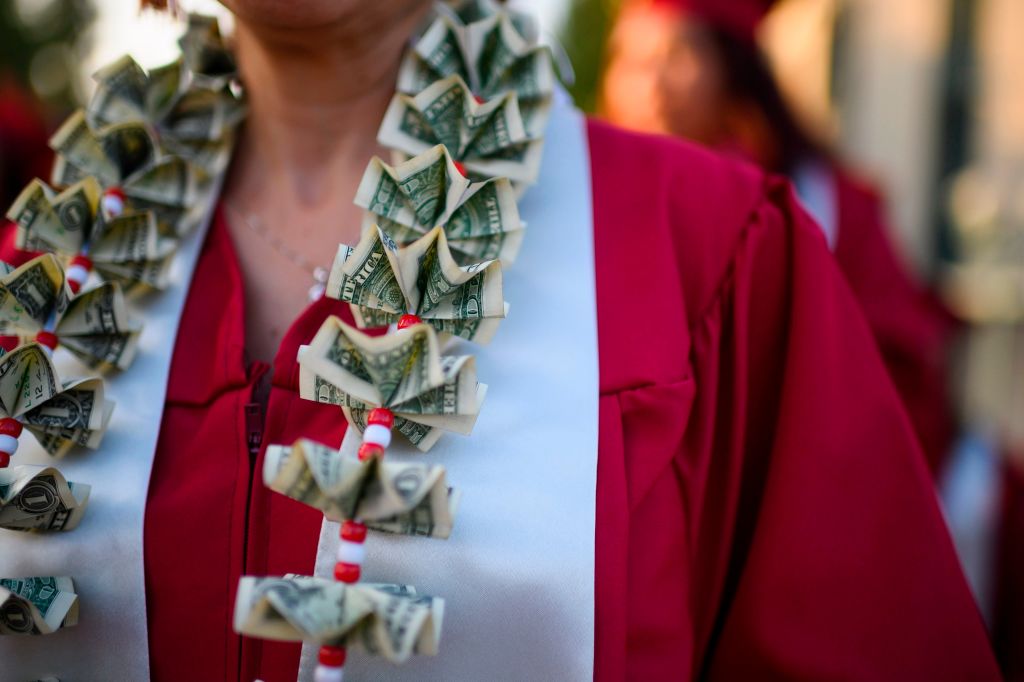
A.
x: 128, y: 184
x: 155, y: 159
x: 475, y: 91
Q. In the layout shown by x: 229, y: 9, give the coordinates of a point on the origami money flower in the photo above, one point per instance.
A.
x: 37, y: 606
x: 37, y: 498
x: 127, y: 249
x: 188, y: 102
x: 36, y: 303
x: 410, y: 499
x: 59, y: 414
x: 494, y: 52
x: 133, y: 173
x: 490, y: 138
x: 384, y: 283
x: 480, y: 219
x: 405, y: 372
x: 391, y: 621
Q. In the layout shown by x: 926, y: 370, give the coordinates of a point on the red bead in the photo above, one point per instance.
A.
x: 9, y: 343
x: 346, y: 573
x: 5, y: 459
x: 369, y: 451
x: 10, y: 427
x: 462, y: 169
x: 116, y: 192
x: 408, y: 321
x: 382, y: 416
x: 48, y: 339
x: 332, y: 656
x: 84, y: 261
x: 74, y: 286
x: 478, y: 99
x: 353, y: 531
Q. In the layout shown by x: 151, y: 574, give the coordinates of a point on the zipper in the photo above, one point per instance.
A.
x: 255, y: 411
x: 254, y: 418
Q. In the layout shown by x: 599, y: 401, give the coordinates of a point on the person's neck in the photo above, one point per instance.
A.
x: 316, y: 98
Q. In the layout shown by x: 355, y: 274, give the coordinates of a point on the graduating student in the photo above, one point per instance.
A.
x: 726, y: 485
x: 692, y: 68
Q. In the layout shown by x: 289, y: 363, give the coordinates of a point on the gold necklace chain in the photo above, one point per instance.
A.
x: 255, y: 224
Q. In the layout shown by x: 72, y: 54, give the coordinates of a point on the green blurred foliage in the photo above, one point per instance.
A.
x: 585, y: 38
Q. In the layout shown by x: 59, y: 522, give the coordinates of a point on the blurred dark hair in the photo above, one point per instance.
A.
x: 748, y: 78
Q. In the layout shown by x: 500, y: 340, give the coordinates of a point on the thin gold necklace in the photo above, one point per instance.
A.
x: 256, y: 225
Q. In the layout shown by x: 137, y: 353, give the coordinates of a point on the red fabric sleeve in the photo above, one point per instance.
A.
x: 911, y: 326
x: 838, y: 564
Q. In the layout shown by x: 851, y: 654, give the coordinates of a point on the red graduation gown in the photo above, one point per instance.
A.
x: 762, y: 509
x: 910, y: 325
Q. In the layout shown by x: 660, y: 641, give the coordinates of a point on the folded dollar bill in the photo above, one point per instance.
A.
x: 489, y: 138
x: 195, y: 123
x: 405, y: 372
x: 37, y: 498
x: 492, y: 50
x: 391, y: 621
x: 409, y: 499
x: 382, y: 282
x: 92, y: 325
x: 127, y: 249
x: 480, y: 219
x: 193, y: 102
x: 37, y: 606
x: 127, y: 156
x: 209, y: 59
x: 59, y: 414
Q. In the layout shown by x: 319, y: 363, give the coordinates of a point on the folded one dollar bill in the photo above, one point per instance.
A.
x: 36, y: 498
x: 480, y: 219
x: 59, y: 414
x: 127, y: 249
x: 382, y: 282
x: 37, y: 606
x: 494, y: 52
x: 404, y: 498
x: 490, y: 138
x: 404, y: 372
x: 127, y: 156
x: 92, y: 325
x: 391, y: 621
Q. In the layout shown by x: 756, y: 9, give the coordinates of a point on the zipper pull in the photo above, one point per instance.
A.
x: 254, y: 427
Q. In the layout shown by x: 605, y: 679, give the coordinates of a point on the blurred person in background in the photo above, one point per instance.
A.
x: 692, y: 68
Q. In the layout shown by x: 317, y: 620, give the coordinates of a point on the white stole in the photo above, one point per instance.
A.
x: 517, y: 574
x: 103, y: 555
x: 815, y: 185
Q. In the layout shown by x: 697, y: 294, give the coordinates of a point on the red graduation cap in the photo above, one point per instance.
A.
x: 739, y: 17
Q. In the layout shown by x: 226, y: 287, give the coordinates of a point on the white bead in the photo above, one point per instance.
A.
x: 8, y: 444
x: 77, y: 273
x: 351, y: 552
x: 326, y: 674
x: 112, y: 205
x: 378, y: 434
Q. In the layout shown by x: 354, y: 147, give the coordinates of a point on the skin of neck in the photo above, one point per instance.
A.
x: 318, y: 76
x: 316, y: 94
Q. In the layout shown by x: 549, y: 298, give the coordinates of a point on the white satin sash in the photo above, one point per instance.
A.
x: 517, y: 574
x: 104, y: 554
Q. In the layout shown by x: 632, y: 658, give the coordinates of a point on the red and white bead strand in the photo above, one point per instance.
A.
x: 78, y: 272
x: 352, y: 548
x: 112, y: 204
x: 10, y: 431
x: 46, y: 337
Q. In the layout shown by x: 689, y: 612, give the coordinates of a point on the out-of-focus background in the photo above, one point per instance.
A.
x: 924, y: 99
